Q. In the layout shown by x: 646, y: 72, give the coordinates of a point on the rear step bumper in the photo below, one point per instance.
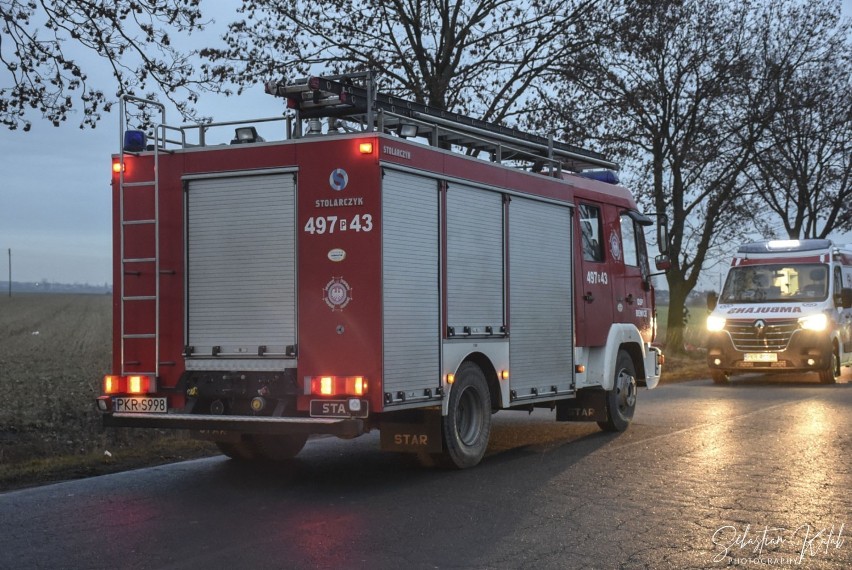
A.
x: 341, y: 427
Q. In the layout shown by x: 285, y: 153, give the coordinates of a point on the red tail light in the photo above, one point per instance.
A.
x: 138, y: 384
x: 132, y: 384
x: 338, y: 386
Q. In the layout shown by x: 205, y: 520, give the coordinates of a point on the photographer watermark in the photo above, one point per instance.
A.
x: 776, y: 546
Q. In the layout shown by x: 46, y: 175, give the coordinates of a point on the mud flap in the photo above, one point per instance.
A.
x: 419, y: 432
x: 588, y: 406
x: 216, y: 435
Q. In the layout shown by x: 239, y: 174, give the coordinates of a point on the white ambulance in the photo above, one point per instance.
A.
x: 785, y: 307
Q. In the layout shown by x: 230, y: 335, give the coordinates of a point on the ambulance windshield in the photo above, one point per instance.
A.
x: 776, y: 283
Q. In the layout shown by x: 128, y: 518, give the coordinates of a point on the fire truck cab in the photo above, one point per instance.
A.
x: 386, y: 266
x: 785, y: 307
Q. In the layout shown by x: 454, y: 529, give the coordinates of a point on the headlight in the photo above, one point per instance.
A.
x: 715, y: 324
x: 814, y: 322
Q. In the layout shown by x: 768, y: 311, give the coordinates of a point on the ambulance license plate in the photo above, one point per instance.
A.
x: 339, y: 408
x: 140, y: 405
x: 761, y: 357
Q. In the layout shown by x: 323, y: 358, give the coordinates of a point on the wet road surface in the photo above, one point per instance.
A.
x: 753, y: 475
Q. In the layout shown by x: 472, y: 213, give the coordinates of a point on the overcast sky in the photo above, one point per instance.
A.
x: 55, y: 204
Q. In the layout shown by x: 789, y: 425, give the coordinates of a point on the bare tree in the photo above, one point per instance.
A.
x: 473, y: 57
x: 683, y: 92
x: 41, y: 77
x: 803, y: 171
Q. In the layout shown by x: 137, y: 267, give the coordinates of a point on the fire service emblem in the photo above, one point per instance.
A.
x: 615, y: 246
x: 337, y: 293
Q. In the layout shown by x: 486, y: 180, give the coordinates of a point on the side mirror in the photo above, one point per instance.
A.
x: 712, y: 300
x: 846, y: 297
x: 663, y: 262
x: 663, y: 234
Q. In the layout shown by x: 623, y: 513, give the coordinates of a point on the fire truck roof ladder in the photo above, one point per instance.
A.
x: 354, y: 98
x: 148, y: 262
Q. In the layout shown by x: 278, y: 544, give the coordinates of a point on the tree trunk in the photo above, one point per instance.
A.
x: 675, y: 326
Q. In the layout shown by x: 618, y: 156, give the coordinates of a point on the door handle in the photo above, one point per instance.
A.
x: 588, y: 297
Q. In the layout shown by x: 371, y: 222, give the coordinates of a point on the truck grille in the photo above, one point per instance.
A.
x: 750, y: 336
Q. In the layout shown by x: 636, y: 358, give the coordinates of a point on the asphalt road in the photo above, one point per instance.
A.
x: 755, y: 475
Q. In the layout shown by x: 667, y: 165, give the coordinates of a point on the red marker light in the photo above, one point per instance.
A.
x: 118, y: 167
x: 112, y: 384
x: 356, y: 386
x: 365, y: 147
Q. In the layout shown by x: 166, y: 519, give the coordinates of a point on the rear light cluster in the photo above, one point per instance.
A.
x: 132, y: 384
x: 338, y: 385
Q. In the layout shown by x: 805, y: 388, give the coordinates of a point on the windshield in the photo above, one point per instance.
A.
x: 781, y: 282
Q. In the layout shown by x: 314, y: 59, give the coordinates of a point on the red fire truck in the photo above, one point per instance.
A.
x: 385, y: 266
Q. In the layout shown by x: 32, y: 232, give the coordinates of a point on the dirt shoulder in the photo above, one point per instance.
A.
x: 53, y: 469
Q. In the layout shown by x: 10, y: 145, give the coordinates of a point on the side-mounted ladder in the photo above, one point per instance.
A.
x: 144, y: 262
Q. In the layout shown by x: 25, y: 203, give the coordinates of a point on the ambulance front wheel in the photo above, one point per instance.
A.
x: 621, y: 400
x: 467, y: 425
x: 829, y: 376
x: 721, y: 377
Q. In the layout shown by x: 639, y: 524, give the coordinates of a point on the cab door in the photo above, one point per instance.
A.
x: 594, y: 281
x: 633, y: 302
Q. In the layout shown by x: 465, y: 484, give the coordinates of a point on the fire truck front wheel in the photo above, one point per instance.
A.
x: 467, y: 426
x: 621, y: 400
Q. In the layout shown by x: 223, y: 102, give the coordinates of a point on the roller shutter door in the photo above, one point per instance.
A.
x: 241, y: 264
x: 474, y: 258
x: 541, y: 319
x: 411, y: 300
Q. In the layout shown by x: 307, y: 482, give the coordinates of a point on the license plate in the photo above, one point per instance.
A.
x: 140, y: 405
x: 761, y: 357
x: 339, y: 409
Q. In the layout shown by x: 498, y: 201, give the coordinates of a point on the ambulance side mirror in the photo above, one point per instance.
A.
x: 712, y: 300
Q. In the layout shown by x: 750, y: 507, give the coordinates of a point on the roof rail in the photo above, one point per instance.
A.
x: 353, y: 98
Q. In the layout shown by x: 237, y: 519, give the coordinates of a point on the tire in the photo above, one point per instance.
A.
x: 467, y: 425
x: 829, y: 376
x: 721, y: 378
x: 238, y: 451
x: 278, y: 447
x: 621, y: 400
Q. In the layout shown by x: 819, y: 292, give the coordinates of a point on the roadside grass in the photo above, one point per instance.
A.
x: 54, y: 350
x: 692, y: 363
x: 42, y: 470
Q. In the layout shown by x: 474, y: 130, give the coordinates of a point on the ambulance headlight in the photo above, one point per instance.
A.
x: 715, y: 323
x: 814, y: 322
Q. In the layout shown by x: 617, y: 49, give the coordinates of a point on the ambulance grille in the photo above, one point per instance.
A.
x: 760, y: 335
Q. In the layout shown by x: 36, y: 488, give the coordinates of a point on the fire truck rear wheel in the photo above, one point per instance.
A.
x: 239, y: 451
x: 467, y: 425
x: 278, y: 447
x: 621, y: 400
